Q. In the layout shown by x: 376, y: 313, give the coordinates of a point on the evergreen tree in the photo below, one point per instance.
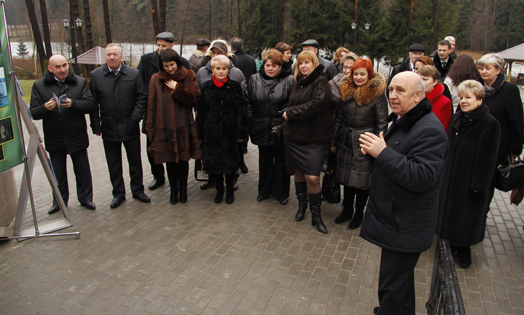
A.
x: 22, y: 50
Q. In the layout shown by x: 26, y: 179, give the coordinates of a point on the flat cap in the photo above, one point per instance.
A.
x: 203, y: 42
x: 219, y: 45
x: 168, y: 37
x: 310, y: 42
x: 417, y: 47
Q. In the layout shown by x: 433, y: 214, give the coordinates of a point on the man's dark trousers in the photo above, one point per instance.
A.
x: 396, y: 283
x: 84, y: 184
x: 156, y: 169
x: 113, y: 150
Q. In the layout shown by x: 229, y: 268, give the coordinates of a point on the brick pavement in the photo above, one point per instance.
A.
x: 246, y: 258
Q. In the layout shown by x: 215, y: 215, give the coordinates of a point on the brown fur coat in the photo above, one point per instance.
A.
x: 170, y: 122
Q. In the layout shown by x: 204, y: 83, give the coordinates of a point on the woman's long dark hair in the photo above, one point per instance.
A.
x: 463, y: 69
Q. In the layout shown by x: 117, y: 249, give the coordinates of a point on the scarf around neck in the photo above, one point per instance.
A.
x: 219, y: 84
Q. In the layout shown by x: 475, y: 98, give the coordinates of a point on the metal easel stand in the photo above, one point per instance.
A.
x: 26, y: 191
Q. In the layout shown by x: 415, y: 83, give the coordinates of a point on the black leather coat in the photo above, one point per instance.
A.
x: 65, y: 129
x: 267, y: 98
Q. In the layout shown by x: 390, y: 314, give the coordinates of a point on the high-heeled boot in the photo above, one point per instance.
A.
x: 173, y: 182
x: 362, y: 198
x: 230, y: 188
x: 183, y: 169
x: 315, y: 200
x: 301, y: 191
x: 347, y: 212
x: 219, y: 184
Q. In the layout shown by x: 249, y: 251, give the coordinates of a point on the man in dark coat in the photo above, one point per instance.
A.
x: 245, y: 62
x: 65, y: 127
x: 195, y: 60
x: 120, y: 101
x: 147, y: 67
x: 415, y: 51
x: 443, y: 61
x: 329, y: 68
x: 401, y: 214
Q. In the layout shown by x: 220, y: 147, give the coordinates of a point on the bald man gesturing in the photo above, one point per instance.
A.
x: 401, y: 214
x: 65, y: 129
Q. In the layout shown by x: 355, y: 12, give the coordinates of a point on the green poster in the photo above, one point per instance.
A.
x: 11, y: 153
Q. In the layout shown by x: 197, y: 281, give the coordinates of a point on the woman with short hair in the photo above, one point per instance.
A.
x: 423, y: 61
x: 221, y: 125
x: 463, y: 69
x: 170, y: 125
x: 285, y: 49
x: 363, y: 108
x: 267, y: 98
x: 474, y: 138
x: 307, y: 133
x: 339, y: 53
x: 434, y: 92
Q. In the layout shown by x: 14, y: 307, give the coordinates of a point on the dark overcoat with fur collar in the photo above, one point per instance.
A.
x: 362, y: 109
x: 474, y: 141
x: 221, y: 123
x: 65, y: 129
x: 170, y: 124
x: 309, y: 113
x: 401, y: 214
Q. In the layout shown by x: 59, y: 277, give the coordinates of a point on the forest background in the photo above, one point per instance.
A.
x: 478, y: 25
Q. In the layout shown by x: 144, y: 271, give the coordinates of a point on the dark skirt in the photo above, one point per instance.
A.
x: 307, y: 158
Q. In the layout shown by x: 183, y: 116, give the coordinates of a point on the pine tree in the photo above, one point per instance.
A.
x: 22, y: 50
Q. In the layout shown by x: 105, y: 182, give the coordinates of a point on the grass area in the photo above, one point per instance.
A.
x: 27, y: 85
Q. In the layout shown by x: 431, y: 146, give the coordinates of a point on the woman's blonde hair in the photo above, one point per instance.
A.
x: 306, y: 54
x: 338, y: 53
x: 472, y: 86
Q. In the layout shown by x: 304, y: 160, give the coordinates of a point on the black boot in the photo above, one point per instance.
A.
x: 465, y: 256
x: 362, y: 198
x: 301, y: 191
x: 230, y: 191
x: 173, y: 182
x: 219, y: 184
x: 347, y: 212
x: 315, y: 200
x: 183, y: 169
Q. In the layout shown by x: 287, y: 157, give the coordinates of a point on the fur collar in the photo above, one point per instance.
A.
x: 199, y: 53
x: 49, y: 78
x: 179, y: 75
x: 318, y: 71
x: 415, y: 114
x: 436, y: 92
x: 365, y: 94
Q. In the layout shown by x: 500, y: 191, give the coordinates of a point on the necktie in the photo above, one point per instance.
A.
x: 115, y: 72
x: 443, y: 64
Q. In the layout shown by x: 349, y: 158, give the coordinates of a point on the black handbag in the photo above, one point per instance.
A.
x: 330, y: 187
x: 510, y: 176
x: 277, y: 136
x: 200, y: 174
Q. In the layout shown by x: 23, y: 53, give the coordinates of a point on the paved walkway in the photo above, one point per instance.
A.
x: 246, y: 258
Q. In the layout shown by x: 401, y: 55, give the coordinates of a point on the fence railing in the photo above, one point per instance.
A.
x: 445, y: 297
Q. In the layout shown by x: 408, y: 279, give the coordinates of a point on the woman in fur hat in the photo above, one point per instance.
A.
x: 363, y: 108
x: 170, y: 125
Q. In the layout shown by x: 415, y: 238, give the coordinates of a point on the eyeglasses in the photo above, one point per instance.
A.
x: 346, y: 68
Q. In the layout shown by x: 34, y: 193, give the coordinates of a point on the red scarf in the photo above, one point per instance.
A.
x: 219, y: 84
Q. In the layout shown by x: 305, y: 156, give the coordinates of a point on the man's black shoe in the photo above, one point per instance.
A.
x: 54, y: 209
x: 156, y: 183
x: 142, y: 198
x: 117, y: 202
x: 89, y: 205
x: 376, y: 309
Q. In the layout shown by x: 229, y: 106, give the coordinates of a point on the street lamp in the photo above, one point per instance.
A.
x: 354, y: 26
x: 77, y: 24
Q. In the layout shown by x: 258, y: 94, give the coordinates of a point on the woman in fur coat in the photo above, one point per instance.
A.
x: 221, y: 126
x: 474, y: 138
x: 170, y: 125
x: 363, y: 108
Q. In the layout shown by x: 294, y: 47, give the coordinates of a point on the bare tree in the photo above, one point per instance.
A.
x: 45, y: 28
x: 154, y: 14
x: 306, y: 20
x: 184, y: 28
x: 435, y: 25
x: 162, y: 15
x: 355, y: 33
x: 36, y: 32
x: 107, y: 22
x: 287, y: 21
x: 87, y: 25
x: 239, y: 19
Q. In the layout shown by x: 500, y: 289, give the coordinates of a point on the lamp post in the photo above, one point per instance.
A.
x: 77, y: 24
x: 354, y: 26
